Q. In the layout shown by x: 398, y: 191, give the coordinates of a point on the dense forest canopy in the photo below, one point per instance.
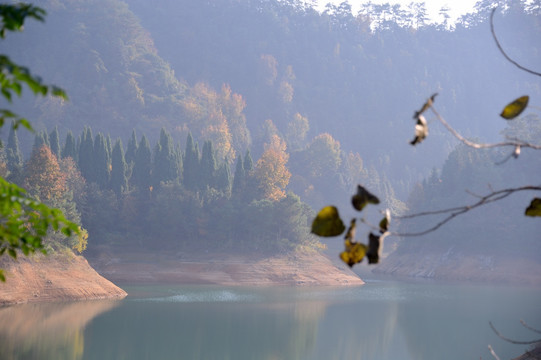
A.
x: 327, y: 98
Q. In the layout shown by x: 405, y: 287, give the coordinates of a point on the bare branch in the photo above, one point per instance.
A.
x: 515, y: 143
x: 501, y: 49
x: 459, y: 210
x: 512, y: 341
x: 529, y: 327
x: 493, y: 353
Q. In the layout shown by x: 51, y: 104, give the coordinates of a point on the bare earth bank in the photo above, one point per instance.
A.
x: 295, y: 269
x: 56, y: 277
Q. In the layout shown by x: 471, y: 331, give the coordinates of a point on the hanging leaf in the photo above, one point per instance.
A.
x: 375, y: 247
x: 362, y: 198
x: 328, y: 223
x: 515, y: 108
x: 421, y: 130
x: 353, y: 254
x: 384, y: 223
x: 535, y: 208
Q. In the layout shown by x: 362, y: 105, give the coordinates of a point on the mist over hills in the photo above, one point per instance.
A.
x: 222, y: 69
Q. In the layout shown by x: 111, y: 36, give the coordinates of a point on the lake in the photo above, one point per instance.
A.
x: 384, y: 319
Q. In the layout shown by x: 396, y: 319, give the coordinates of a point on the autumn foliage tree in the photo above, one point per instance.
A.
x: 271, y: 171
x: 43, y: 177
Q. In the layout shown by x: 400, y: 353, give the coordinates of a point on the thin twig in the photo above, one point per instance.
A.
x: 493, y: 352
x: 529, y: 327
x: 512, y: 143
x: 512, y: 341
x: 456, y: 211
x: 501, y: 49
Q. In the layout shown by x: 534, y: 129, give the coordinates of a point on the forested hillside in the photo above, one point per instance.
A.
x: 305, y: 105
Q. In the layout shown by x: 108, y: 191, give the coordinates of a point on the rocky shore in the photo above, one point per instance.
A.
x: 56, y: 277
x: 295, y: 269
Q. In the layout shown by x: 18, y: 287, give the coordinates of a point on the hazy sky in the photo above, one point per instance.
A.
x: 457, y: 7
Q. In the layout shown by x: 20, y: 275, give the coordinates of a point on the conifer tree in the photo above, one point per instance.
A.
x: 223, y: 178
x: 207, y: 168
x: 14, y: 157
x: 101, y: 161
x: 70, y: 148
x: 240, y: 178
x: 191, y: 164
x: 131, y: 150
x: 142, y: 166
x: 39, y: 141
x: 86, y: 155
x: 165, y: 164
x: 248, y: 162
x: 54, y: 140
x: 119, y: 181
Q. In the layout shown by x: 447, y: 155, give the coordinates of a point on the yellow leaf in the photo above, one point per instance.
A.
x: 353, y: 254
x: 515, y: 108
x: 328, y: 223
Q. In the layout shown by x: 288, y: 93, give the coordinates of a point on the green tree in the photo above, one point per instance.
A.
x: 131, y: 150
x: 191, y: 164
x: 70, y: 148
x: 86, y: 155
x: 14, y: 157
x: 239, y: 179
x: 54, y: 141
x: 101, y: 161
x: 207, y: 167
x: 143, y: 165
x: 119, y: 182
x: 166, y: 166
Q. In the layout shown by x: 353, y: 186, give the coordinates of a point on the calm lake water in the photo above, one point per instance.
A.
x: 380, y: 320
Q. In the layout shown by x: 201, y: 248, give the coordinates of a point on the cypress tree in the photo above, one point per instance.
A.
x: 191, y: 164
x: 109, y: 146
x: 248, y: 162
x: 207, y: 168
x: 240, y: 178
x: 101, y: 161
x: 131, y: 150
x: 223, y: 178
x: 39, y: 141
x: 70, y: 148
x: 86, y: 155
x: 119, y: 181
x: 165, y: 164
x: 14, y: 157
x: 142, y: 166
x: 54, y: 140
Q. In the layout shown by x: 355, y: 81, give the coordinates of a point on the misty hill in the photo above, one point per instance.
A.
x: 337, y: 95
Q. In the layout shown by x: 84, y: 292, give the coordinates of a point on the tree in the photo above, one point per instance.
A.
x: 166, y: 166
x: 86, y: 155
x: 54, y: 141
x: 14, y: 157
x: 142, y: 177
x: 191, y: 164
x: 70, y: 148
x: 42, y: 175
x: 101, y: 161
x: 25, y: 222
x: 131, y: 150
x: 271, y: 171
x: 239, y: 179
x: 119, y: 182
x: 207, y: 167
